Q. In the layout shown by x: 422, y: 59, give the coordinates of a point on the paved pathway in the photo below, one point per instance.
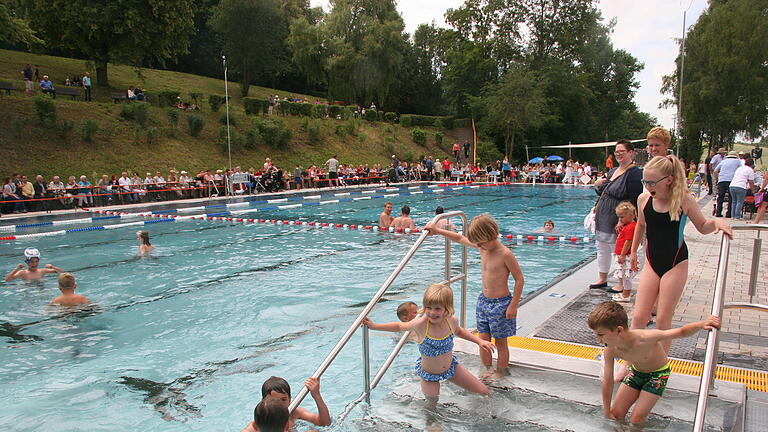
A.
x: 744, y: 336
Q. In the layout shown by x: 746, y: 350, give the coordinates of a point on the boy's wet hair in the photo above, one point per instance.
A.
x: 608, y: 315
x: 482, y: 228
x: 402, y: 310
x: 439, y: 210
x: 277, y: 384
x: 439, y: 295
x: 549, y: 222
x: 406, y: 210
x: 271, y: 415
x: 67, y: 281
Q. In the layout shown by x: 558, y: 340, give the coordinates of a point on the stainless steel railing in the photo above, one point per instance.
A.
x: 369, y: 385
x: 710, y: 360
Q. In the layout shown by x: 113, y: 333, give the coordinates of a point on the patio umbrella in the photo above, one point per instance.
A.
x: 555, y: 158
x: 536, y: 160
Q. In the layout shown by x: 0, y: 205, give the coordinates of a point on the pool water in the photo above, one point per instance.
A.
x: 183, y: 341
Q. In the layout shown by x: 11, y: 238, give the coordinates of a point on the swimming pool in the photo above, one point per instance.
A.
x: 183, y: 341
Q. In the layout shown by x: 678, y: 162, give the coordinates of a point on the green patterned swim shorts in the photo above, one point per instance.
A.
x: 652, y: 382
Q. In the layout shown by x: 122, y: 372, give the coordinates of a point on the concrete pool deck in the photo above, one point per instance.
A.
x: 560, y: 311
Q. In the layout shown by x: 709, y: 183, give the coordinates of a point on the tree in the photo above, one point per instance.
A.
x: 516, y: 103
x: 15, y: 30
x: 252, y: 32
x: 133, y: 32
x: 357, y: 49
x: 725, y: 82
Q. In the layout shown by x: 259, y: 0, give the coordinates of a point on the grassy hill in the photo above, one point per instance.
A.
x: 119, y: 144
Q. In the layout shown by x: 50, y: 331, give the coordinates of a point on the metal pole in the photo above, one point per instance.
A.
x: 463, y: 321
x: 758, y: 244
x: 710, y: 358
x: 448, y: 261
x: 679, y: 125
x: 226, y: 101
x: 366, y: 365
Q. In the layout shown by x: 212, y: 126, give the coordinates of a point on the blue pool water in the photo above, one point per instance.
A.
x: 184, y: 340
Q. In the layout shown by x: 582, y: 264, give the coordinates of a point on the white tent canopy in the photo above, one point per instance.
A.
x: 589, y: 145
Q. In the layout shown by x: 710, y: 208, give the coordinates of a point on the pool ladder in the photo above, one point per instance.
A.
x: 369, y: 384
x: 710, y: 358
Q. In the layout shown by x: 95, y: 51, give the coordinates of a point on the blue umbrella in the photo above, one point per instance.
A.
x: 555, y: 158
x: 536, y: 160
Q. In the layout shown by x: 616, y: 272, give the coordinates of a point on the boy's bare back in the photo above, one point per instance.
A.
x: 70, y: 300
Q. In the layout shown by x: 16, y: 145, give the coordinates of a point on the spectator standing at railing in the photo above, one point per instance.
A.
x: 26, y: 191
x: 105, y: 189
x: 10, y: 193
x: 84, y: 193
x: 40, y: 189
x: 87, y: 86
x: 47, y: 86
x: 446, y: 168
x: 333, y: 167
x: 438, y: 169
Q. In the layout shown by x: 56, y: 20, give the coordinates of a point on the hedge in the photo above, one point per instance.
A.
x: 167, y: 98
x: 390, y: 117
x: 462, y: 123
x: 319, y: 110
x: 419, y: 136
x: 421, y: 120
x: 371, y: 115
x: 255, y: 106
x: 215, y: 101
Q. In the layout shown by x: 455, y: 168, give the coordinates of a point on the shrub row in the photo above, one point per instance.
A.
x: 445, y: 122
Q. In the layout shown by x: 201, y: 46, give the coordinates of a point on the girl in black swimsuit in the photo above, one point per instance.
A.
x: 666, y: 207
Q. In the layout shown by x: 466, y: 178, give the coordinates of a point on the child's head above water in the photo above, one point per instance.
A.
x: 407, y: 311
x: 608, y: 315
x: 143, y: 236
x: 67, y: 281
x: 270, y: 415
x: 439, y: 295
x: 439, y: 210
x: 549, y: 225
x: 482, y: 228
x: 405, y: 210
x: 277, y: 385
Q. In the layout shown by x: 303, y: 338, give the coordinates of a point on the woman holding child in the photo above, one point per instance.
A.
x: 621, y: 184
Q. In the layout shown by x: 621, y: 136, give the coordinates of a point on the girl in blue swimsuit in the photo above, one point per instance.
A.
x: 663, y: 211
x: 435, y: 330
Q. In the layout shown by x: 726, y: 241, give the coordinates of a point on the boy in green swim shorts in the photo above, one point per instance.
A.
x: 642, y: 349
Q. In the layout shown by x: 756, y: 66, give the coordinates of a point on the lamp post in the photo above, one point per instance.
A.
x: 226, y: 101
x: 679, y: 120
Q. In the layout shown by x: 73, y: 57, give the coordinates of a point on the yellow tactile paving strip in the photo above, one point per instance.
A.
x: 754, y: 380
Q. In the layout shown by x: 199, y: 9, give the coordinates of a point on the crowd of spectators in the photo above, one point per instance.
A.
x: 31, y: 76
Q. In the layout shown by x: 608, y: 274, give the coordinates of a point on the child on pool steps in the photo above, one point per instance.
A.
x: 435, y: 331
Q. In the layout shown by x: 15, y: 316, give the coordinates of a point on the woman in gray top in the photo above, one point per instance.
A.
x: 621, y: 184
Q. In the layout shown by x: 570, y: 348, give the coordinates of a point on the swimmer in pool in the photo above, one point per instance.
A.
x: 444, y: 223
x: 403, y: 221
x: 67, y: 286
x: 271, y: 415
x: 549, y: 227
x: 32, y: 272
x: 385, y: 218
x: 279, y: 389
x: 144, y: 246
x: 407, y: 311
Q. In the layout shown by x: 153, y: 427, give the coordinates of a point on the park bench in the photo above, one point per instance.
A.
x: 7, y: 86
x: 118, y: 97
x: 74, y: 92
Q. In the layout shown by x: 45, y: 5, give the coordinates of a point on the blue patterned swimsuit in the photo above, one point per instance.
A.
x: 431, y: 347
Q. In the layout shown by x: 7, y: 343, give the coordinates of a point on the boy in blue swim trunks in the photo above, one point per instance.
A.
x: 643, y: 350
x: 496, y: 311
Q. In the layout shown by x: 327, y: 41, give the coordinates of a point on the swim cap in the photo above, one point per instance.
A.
x: 30, y: 253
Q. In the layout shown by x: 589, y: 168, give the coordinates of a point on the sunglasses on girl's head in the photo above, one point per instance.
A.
x: 650, y: 183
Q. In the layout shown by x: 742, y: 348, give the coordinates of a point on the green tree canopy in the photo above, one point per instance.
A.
x: 133, y: 32
x: 252, y: 32
x: 725, y: 82
x: 14, y: 29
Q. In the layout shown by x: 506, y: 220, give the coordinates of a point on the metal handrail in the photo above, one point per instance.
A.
x: 379, y: 294
x: 710, y: 361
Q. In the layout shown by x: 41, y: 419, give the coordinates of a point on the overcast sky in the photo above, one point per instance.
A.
x: 645, y: 28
